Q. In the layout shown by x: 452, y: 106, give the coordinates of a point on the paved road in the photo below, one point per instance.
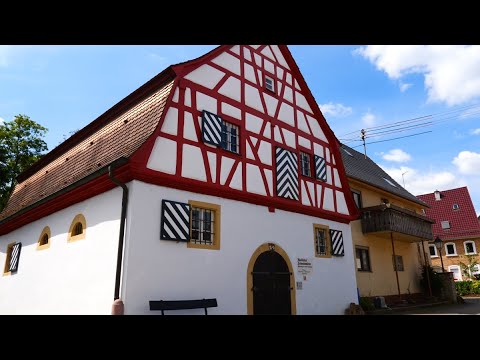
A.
x: 471, y: 307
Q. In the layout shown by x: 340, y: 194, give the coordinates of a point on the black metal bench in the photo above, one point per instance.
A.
x: 182, y: 304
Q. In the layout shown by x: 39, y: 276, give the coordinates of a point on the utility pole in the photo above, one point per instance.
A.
x: 364, y: 145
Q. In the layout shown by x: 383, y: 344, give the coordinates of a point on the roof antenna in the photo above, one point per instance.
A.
x: 364, y: 145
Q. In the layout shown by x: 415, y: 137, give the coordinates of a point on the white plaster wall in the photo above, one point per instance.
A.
x: 168, y: 270
x: 67, y: 278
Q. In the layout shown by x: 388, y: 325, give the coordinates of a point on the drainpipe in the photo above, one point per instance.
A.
x: 123, y: 217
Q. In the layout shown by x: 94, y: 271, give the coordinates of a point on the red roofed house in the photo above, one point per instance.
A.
x: 456, y: 224
x: 218, y: 179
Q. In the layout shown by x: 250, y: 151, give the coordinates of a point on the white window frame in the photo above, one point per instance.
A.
x: 272, y: 82
x: 474, y: 247
x: 435, y: 248
x: 445, y: 222
x: 459, y: 271
x: 227, y: 133
x: 454, y: 248
x: 477, y: 271
x: 455, y: 206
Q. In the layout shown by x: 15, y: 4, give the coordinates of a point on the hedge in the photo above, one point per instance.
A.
x: 467, y: 287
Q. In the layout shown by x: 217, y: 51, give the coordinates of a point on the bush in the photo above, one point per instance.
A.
x: 435, y: 282
x: 467, y: 287
x: 367, y: 304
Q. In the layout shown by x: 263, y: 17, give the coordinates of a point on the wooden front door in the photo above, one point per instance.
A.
x: 271, y: 285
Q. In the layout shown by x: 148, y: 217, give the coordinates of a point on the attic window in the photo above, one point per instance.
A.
x: 445, y: 224
x: 269, y: 84
x: 388, y: 181
x: 347, y: 152
x: 456, y: 207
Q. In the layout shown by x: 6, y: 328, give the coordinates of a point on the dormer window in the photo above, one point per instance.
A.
x: 445, y: 225
x: 437, y: 195
x: 456, y: 207
x: 269, y: 84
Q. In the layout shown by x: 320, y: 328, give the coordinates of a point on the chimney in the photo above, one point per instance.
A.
x: 437, y: 195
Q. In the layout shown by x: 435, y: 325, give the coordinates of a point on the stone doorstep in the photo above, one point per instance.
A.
x: 404, y: 308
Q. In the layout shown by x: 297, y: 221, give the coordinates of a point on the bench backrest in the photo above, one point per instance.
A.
x: 182, y: 304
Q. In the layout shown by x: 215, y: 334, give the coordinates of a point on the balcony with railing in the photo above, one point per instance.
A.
x: 406, y: 224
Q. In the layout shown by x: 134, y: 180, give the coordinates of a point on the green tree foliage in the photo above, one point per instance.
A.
x: 469, y: 267
x: 21, y: 144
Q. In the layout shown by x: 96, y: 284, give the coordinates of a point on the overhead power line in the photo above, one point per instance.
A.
x: 400, y: 137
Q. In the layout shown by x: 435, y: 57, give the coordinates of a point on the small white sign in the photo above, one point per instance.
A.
x: 304, y: 267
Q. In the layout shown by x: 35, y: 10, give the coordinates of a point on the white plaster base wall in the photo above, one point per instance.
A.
x: 67, y: 278
x: 167, y: 270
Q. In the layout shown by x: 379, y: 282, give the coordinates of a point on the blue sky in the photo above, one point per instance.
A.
x: 66, y: 87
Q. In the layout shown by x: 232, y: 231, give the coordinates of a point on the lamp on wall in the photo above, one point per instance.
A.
x: 438, y: 244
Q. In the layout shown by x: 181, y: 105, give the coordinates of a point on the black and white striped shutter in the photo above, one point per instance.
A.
x: 336, y: 236
x: 320, y: 168
x: 287, y: 174
x: 175, y: 224
x: 15, y: 257
x: 211, y: 128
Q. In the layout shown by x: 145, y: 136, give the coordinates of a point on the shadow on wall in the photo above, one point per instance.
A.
x: 63, y: 227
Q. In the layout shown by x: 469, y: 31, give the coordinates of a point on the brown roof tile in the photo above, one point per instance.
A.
x: 119, y: 137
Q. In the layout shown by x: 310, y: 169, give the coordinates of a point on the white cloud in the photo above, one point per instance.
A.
x: 467, y: 162
x: 404, y: 86
x: 451, y: 71
x: 397, y: 155
x: 418, y: 182
x: 2, y: 121
x: 369, y: 119
x: 475, y: 131
x: 336, y: 110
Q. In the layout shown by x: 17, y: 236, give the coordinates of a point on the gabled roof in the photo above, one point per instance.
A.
x: 463, y: 221
x: 117, y: 133
x: 367, y: 171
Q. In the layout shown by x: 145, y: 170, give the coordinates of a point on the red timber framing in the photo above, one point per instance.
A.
x: 262, y: 61
x: 183, y: 99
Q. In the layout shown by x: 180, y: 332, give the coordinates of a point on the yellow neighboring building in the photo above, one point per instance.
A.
x: 391, y: 227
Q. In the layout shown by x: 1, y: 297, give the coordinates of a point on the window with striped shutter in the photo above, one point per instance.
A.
x: 13, y: 257
x: 320, y: 168
x: 211, y: 128
x: 287, y: 174
x: 336, y: 237
x: 175, y: 223
x: 218, y: 132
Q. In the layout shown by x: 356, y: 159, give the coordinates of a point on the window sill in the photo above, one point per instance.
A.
x: 76, y: 238
x: 434, y: 256
x: 191, y: 245
x: 365, y: 271
x: 43, y: 247
x: 323, y: 256
x: 474, y: 253
x: 452, y: 255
